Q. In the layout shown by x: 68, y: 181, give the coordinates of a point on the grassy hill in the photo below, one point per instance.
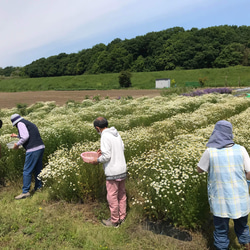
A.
x: 232, y: 76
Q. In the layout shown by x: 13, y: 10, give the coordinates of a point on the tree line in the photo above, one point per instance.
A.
x: 213, y: 47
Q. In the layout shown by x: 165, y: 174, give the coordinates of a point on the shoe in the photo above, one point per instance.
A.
x: 38, y: 190
x: 22, y: 196
x: 33, y: 191
x: 246, y: 246
x: 122, y: 221
x: 109, y: 223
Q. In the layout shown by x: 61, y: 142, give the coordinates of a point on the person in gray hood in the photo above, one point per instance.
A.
x: 111, y: 154
x: 228, y: 168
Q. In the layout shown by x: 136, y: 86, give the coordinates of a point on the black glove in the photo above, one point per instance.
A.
x: 1, y: 123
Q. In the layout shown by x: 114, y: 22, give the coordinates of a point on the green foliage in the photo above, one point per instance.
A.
x: 177, y: 91
x: 231, y: 55
x: 9, y: 71
x: 202, y: 81
x: 173, y: 82
x: 129, y: 97
x: 22, y: 108
x: 219, y: 46
x: 96, y: 98
x: 125, y: 79
x: 11, y: 163
x: 72, y: 103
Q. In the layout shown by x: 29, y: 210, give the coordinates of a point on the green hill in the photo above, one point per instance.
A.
x: 213, y: 47
x: 231, y: 77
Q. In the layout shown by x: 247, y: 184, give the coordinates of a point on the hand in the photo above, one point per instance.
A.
x: 15, y: 146
x: 94, y: 162
x: 99, y: 152
x: 13, y: 135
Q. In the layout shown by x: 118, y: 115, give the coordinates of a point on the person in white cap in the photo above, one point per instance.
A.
x: 30, y: 139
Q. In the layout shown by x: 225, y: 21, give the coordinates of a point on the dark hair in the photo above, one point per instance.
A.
x: 101, y: 122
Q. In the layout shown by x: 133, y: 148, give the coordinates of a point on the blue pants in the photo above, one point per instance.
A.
x: 33, y: 162
x: 221, y: 225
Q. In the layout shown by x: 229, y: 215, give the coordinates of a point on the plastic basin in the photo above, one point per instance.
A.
x: 89, y: 156
x: 10, y: 145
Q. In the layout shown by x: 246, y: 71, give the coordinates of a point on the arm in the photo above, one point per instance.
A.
x: 95, y: 161
x: 246, y: 163
x: 105, y: 150
x: 248, y: 175
x: 203, y: 164
x: 104, y: 154
x: 199, y: 170
x: 23, y: 134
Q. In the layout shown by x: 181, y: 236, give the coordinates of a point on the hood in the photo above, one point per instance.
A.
x: 222, y: 135
x: 111, y: 130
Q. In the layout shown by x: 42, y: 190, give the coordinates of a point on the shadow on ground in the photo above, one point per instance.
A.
x: 164, y: 228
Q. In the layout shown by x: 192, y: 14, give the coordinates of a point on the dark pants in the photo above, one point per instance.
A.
x: 33, y: 162
x: 221, y: 225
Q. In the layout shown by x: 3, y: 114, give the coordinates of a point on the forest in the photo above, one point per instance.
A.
x: 174, y: 48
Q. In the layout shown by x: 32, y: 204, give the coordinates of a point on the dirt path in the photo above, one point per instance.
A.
x: 10, y: 100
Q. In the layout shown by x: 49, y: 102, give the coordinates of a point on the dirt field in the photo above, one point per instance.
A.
x: 10, y: 100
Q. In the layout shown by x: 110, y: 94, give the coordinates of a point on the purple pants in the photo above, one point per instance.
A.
x: 116, y: 196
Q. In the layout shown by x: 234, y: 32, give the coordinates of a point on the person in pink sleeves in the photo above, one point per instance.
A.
x: 111, y: 154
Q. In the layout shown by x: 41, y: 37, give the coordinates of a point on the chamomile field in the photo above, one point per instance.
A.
x: 164, y: 138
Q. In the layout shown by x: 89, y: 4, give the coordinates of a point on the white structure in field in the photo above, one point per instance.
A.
x: 162, y: 83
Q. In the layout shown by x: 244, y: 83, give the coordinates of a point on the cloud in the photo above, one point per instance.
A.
x: 34, y: 23
x: 29, y: 24
x: 32, y: 29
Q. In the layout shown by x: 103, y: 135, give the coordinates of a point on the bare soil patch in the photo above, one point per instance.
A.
x: 11, y: 99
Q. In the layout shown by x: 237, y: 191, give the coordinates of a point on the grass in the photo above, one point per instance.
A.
x: 232, y: 76
x: 38, y: 223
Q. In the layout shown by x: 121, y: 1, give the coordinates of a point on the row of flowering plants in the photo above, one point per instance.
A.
x: 164, y: 138
x: 169, y: 185
x: 200, y: 92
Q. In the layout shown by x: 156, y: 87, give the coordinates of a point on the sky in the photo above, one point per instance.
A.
x: 32, y: 29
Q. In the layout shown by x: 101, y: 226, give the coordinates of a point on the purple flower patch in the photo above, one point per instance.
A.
x: 209, y: 91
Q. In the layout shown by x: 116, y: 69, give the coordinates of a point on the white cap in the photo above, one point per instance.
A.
x: 15, y: 119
